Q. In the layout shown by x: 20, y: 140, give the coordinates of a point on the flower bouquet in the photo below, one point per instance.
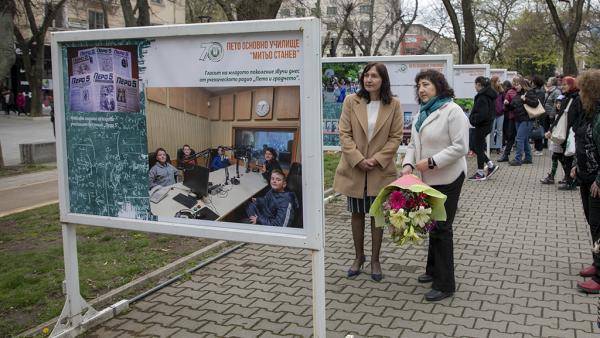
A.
x: 409, y: 208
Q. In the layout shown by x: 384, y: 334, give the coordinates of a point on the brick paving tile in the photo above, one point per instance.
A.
x: 518, y: 246
x: 239, y: 332
x: 188, y: 334
x: 462, y: 331
x: 160, y: 331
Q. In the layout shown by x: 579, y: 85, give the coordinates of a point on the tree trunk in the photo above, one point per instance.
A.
x: 7, y: 41
x: 256, y: 10
x: 105, y: 13
x: 143, y: 18
x: 568, y: 35
x: 130, y: 20
x: 569, y: 63
x: 470, y: 44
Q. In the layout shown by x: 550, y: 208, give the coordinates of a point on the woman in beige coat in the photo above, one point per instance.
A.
x: 370, y: 134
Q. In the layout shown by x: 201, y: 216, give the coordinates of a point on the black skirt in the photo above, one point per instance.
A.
x: 360, y: 205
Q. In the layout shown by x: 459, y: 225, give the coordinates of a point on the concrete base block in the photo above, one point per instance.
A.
x: 41, y: 152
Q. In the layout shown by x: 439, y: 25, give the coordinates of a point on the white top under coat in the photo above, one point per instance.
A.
x: 372, y: 112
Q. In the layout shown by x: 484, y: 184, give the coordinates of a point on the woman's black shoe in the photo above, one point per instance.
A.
x: 435, y: 295
x: 425, y: 278
x: 352, y: 273
x: 377, y: 277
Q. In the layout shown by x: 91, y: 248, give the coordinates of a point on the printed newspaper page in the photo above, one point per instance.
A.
x: 128, y: 99
x: 80, y: 93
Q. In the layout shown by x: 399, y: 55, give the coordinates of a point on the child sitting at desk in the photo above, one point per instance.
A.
x: 277, y: 207
x: 162, y: 173
x: 220, y: 161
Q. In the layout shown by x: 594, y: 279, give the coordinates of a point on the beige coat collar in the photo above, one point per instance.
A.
x: 385, y: 111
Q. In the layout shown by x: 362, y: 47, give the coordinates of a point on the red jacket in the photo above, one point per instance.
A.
x: 509, y: 97
x: 20, y: 101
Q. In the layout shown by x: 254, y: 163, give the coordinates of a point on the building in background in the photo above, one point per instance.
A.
x: 417, y: 40
x: 84, y: 15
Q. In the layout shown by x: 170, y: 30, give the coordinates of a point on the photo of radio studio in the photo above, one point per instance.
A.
x: 225, y: 154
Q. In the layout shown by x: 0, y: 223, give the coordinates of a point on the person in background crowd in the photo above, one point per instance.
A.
x: 271, y: 162
x: 184, y: 159
x: 20, y: 102
x: 220, y: 161
x: 525, y: 96
x: 552, y: 93
x: 162, y: 173
x: 570, y: 105
x: 7, y: 100
x: 437, y: 149
x: 587, y: 171
x: 538, y: 87
x: 509, y: 127
x: 552, y: 106
x: 481, y: 117
x: 497, y: 126
x: 368, y: 149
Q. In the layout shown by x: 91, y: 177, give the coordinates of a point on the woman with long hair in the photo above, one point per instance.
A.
x: 526, y: 95
x: 587, y: 171
x: 498, y: 125
x: 437, y: 149
x: 370, y: 133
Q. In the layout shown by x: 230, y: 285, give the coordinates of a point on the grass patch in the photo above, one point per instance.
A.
x: 331, y: 161
x: 32, y: 268
x: 24, y: 169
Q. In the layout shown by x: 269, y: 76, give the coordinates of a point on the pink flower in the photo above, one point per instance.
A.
x: 397, y: 200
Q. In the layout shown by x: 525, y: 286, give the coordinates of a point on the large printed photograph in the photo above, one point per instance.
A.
x: 225, y: 154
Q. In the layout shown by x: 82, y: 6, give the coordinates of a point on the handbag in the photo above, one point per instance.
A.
x: 559, y: 133
x: 537, y: 132
x: 536, y: 112
x: 570, y: 145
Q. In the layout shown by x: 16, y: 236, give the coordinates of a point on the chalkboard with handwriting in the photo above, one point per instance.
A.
x: 107, y: 151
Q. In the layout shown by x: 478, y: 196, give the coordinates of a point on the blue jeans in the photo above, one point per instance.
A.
x: 496, y: 135
x: 523, y: 131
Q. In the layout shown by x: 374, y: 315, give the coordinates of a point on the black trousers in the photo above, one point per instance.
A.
x: 440, y: 258
x: 510, y: 133
x: 479, y: 144
x: 591, y: 209
x: 566, y: 163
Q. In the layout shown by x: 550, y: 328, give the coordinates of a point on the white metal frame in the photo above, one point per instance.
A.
x: 447, y: 58
x: 310, y: 237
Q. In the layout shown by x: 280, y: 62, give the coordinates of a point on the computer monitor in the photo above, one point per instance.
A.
x: 196, y: 179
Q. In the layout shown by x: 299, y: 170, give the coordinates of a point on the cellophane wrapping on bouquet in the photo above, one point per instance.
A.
x: 409, y: 208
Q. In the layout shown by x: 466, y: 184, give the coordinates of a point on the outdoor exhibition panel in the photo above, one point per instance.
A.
x: 464, y: 81
x: 464, y: 87
x: 143, y: 113
x: 340, y: 77
x: 499, y: 72
x: 511, y: 74
x: 123, y: 93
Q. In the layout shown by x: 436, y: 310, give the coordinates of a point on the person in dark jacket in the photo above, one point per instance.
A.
x: 587, y: 171
x: 509, y: 129
x: 277, y: 207
x: 538, y: 88
x: 525, y: 96
x: 482, y: 116
x: 271, y: 163
x: 219, y: 161
x: 498, y: 124
x: 570, y: 105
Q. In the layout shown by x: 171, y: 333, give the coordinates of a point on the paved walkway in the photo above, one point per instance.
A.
x: 22, y: 192
x: 518, y: 248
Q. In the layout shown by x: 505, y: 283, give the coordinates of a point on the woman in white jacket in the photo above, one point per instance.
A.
x: 437, y: 149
